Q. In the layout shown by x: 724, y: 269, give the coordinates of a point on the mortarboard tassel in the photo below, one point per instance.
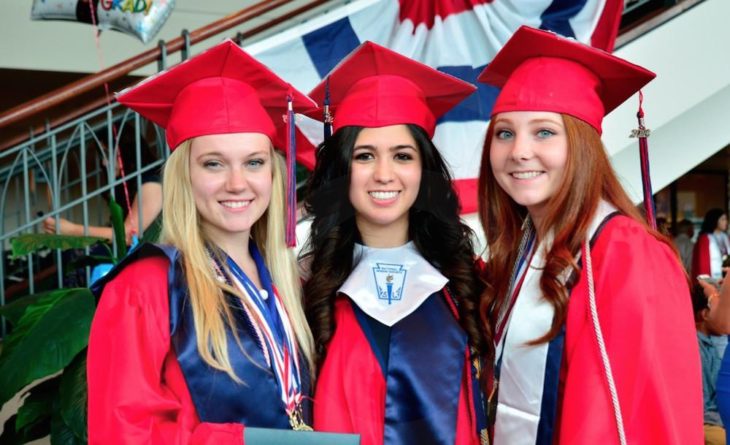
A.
x: 291, y: 175
x: 643, y: 133
x: 327, y: 114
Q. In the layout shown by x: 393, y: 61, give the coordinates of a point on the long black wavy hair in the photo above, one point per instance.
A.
x: 709, y: 224
x: 434, y: 227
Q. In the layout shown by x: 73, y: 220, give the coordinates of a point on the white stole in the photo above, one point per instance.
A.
x: 522, y: 374
x: 716, y: 254
x: 389, y: 284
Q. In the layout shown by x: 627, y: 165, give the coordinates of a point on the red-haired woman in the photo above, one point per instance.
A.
x: 588, y: 306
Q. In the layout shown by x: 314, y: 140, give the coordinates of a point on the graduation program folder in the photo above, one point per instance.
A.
x: 270, y: 436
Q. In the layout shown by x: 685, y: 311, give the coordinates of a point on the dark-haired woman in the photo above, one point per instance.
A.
x: 392, y: 290
x: 713, y: 246
x: 590, y: 309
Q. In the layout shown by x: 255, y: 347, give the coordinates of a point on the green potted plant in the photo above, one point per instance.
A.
x: 47, y: 345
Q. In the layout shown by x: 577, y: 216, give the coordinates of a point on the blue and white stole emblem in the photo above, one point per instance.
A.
x: 389, y: 284
x: 389, y: 281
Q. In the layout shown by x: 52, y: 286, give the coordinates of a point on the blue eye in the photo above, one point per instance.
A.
x: 503, y: 134
x: 212, y: 163
x: 256, y: 163
x: 544, y: 133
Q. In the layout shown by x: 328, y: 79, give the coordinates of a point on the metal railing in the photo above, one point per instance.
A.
x: 181, y: 45
x: 67, y: 168
x: 67, y: 172
x: 63, y: 170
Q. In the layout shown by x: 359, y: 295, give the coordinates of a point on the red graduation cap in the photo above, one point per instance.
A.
x: 377, y: 87
x: 541, y: 71
x: 224, y: 90
x: 221, y: 90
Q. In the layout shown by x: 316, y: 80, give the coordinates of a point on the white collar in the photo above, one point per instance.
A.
x: 389, y: 284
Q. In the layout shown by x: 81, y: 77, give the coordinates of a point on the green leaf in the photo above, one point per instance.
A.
x: 61, y: 433
x: 12, y: 437
x: 33, y: 242
x: 13, y: 311
x: 73, y: 396
x: 9, y: 435
x: 38, y: 406
x: 46, y: 338
x: 120, y: 234
x: 153, y: 232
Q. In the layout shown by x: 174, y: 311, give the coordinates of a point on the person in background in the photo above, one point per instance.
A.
x: 712, y: 246
x: 197, y: 339
x: 150, y: 194
x: 712, y: 347
x: 589, y: 307
x: 684, y: 244
x: 392, y: 288
x: 717, y: 319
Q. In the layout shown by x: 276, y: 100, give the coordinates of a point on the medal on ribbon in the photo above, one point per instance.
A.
x: 271, y: 322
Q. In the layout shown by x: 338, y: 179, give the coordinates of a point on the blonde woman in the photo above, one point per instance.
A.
x: 192, y: 341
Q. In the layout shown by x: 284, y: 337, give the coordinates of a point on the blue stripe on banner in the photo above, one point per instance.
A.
x: 330, y: 44
x: 549, y: 406
x: 478, y: 106
x: 556, y: 17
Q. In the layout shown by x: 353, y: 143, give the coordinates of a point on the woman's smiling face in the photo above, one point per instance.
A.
x: 528, y: 154
x: 385, y: 176
x: 231, y: 179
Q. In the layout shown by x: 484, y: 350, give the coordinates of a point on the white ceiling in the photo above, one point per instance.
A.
x: 68, y: 46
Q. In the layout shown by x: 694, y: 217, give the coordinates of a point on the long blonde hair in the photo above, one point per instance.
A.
x: 211, y: 315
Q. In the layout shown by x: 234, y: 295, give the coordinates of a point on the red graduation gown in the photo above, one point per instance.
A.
x: 351, y: 389
x: 645, y: 312
x: 137, y: 392
x: 701, y: 256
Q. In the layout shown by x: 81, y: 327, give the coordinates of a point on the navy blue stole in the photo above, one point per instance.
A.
x: 423, y: 369
x: 217, y: 397
x: 547, y: 425
x: 549, y: 405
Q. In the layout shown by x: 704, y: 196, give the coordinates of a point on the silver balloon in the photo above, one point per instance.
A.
x: 140, y: 18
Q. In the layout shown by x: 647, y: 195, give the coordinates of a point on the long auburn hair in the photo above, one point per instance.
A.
x: 212, y: 315
x: 588, y: 179
x: 434, y: 227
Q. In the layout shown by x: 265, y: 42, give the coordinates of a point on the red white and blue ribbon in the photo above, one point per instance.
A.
x: 271, y: 322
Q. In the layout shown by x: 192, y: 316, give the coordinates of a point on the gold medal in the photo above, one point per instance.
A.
x: 484, y: 437
x: 296, y: 420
